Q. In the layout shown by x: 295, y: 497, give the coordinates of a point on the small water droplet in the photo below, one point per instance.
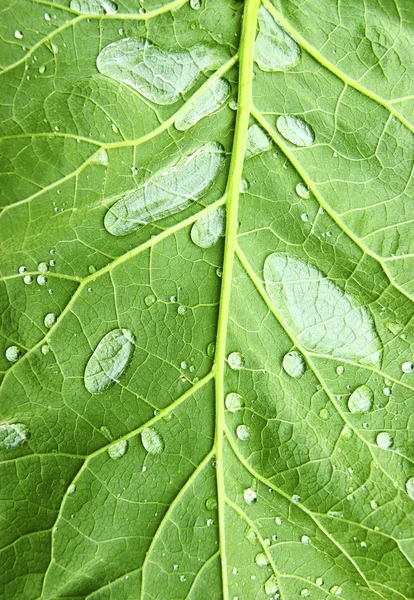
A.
x: 295, y: 498
x: 384, y: 440
x: 302, y: 190
x: 335, y: 590
x: 340, y: 370
x: 407, y: 367
x: 12, y: 353
x: 257, y: 141
x: 278, y: 521
x: 234, y: 402
x: 360, y: 401
x: 261, y: 560
x: 22, y: 270
x: 244, y: 185
x: 28, y: 279
x: 219, y: 273
x: 243, y: 432
x: 387, y: 391
x: 109, y: 360
x: 150, y: 300
x: 319, y: 581
x: 152, y: 441
x: 41, y: 280
x: 305, y: 593
x: 275, y: 49
x: 233, y: 104
x: 250, y: 496
x: 211, y: 348
x: 324, y: 414
x: 49, y: 320
x: 209, y: 522
x: 45, y: 349
x: 271, y: 587
x: 211, y: 503
x: 46, y: 16
x: 373, y: 504
x: 118, y: 449
x: 235, y: 360
x: 305, y: 539
x: 294, y: 364
x: 71, y: 489
x: 195, y: 4
x: 295, y: 130
x: 18, y: 34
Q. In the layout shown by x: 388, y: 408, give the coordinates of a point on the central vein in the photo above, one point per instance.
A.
x: 232, y: 204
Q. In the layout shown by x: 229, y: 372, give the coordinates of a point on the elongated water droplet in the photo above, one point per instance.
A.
x: 384, y: 440
x: 94, y: 7
x: 296, y: 130
x: 295, y: 498
x: 18, y: 34
x: 275, y: 50
x: 13, y: 435
x: 360, y: 401
x: 409, y: 486
x: 271, y: 586
x: 250, y: 496
x: 261, y: 560
x: 152, y: 441
x: 12, y: 353
x: 109, y: 360
x: 305, y: 593
x: 243, y: 432
x: 234, y: 402
x: 407, y: 367
x: 256, y: 141
x: 167, y: 192
x: 22, y: 270
x: 323, y: 317
x: 302, y: 190
x: 158, y: 75
x: 294, y: 364
x: 118, y: 449
x: 207, y: 230
x: 236, y: 361
x: 211, y: 99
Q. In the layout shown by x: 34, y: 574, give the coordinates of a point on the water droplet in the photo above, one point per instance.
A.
x: 42, y: 69
x: 18, y: 34
x: 261, y: 560
x: 109, y: 360
x: 118, y: 449
x: 387, y: 391
x: 295, y: 130
x: 256, y: 141
x: 305, y: 539
x: 211, y: 503
x: 13, y: 435
x: 233, y: 104
x: 211, y: 348
x: 183, y: 365
x: 150, y: 300
x: 302, y: 190
x: 195, y: 4
x: 275, y: 49
x: 46, y: 16
x: 319, y: 581
x: 158, y: 75
x: 244, y: 185
x: 324, y: 414
x: 234, y: 402
x: 407, y: 367
x: 211, y: 99
x: 181, y: 310
x: 173, y: 299
x: 323, y: 317
x: 271, y: 587
x: 295, y: 498
x: 243, y: 432
x: 251, y: 536
x: 278, y: 521
x: 92, y: 269
x: 94, y: 7
x: 236, y: 361
x: 384, y: 440
x: 71, y: 489
x: 207, y: 230
x: 304, y: 217
x: 234, y: 571
x: 219, y: 273
x: 42, y: 267
x: 340, y: 370
x: 45, y: 349
x: 152, y: 441
x: 52, y: 263
x: 335, y: 590
x: 106, y: 432
x: 28, y: 279
x: 250, y: 496
x: 209, y: 522
x: 22, y: 270
x: 41, y: 280
x: 167, y: 192
x: 183, y: 578
x: 409, y: 486
x: 49, y: 320
x: 114, y: 128
x: 294, y: 364
x: 305, y: 593
x: 360, y: 401
x: 100, y: 158
x: 12, y: 353
x: 373, y: 504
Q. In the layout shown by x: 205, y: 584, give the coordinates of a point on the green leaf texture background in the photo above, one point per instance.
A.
x: 207, y: 259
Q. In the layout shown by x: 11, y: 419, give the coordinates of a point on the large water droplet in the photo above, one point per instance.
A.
x: 407, y: 367
x: 94, y: 7
x: 294, y: 364
x: 167, y: 192
x: 323, y: 317
x: 296, y: 130
x: 234, y: 402
x: 109, y: 360
x: 158, y: 75
x: 243, y: 432
x: 302, y: 190
x: 49, y: 320
x: 207, y: 230
x: 271, y: 587
x: 409, y: 486
x: 12, y: 353
x: 118, y: 449
x: 211, y: 99
x: 236, y: 361
x: 275, y: 50
x: 261, y: 560
x: 13, y: 435
x: 152, y: 441
x: 360, y: 401
x: 250, y: 496
x: 384, y: 440
x: 256, y: 141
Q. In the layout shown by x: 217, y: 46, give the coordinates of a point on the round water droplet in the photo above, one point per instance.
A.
x: 22, y: 270
x: 234, y: 402
x: 236, y: 361
x: 195, y: 4
x: 28, y: 279
x: 360, y: 401
x: 271, y: 587
x: 305, y: 593
x: 92, y: 269
x: 209, y: 522
x: 305, y: 539
x: 45, y: 349
x: 407, y: 367
x: 183, y: 364
x: 42, y: 69
x: 243, y: 432
x: 181, y: 310
x: 387, y: 391
x: 319, y: 581
x: 409, y: 486
x: 302, y: 190
x: 295, y: 498
x: 13, y: 435
x: 384, y: 440
x: 373, y: 504
x: 278, y: 521
x: 12, y: 353
x: 304, y: 217
x: 18, y: 34
x: 41, y: 280
x: 295, y: 130
x: 261, y: 560
x: 219, y: 273
x: 118, y: 449
x: 150, y: 300
x: 173, y: 299
x: 46, y: 16
x: 43, y: 267
x: 49, y: 320
x: 152, y: 441
x: 275, y: 49
x: 340, y: 370
x: 233, y: 104
x: 250, y: 496
x: 324, y: 414
x: 294, y: 364
x: 211, y: 503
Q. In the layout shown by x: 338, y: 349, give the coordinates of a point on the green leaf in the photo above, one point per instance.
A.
x: 206, y: 258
